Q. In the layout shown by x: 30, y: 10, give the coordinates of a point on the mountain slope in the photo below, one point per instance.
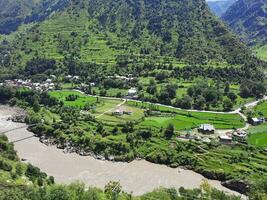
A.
x: 105, y: 31
x: 248, y: 18
x: 219, y: 7
x: 15, y: 12
x: 12, y: 13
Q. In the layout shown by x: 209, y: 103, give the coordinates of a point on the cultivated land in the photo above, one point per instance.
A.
x: 181, y: 119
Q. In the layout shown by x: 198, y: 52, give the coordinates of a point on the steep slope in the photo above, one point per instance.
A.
x: 103, y: 30
x: 248, y: 18
x: 12, y: 13
x: 15, y: 12
x: 219, y: 7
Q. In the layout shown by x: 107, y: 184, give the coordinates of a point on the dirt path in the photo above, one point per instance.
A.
x: 112, y: 109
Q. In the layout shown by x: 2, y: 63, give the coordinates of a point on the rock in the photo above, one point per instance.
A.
x: 237, y: 185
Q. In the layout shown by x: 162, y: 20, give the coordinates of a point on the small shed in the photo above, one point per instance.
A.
x: 225, y: 139
x: 206, y: 129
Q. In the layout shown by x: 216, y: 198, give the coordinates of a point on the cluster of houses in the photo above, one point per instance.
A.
x: 229, y: 137
x: 72, y: 78
x: 237, y: 135
x: 43, y: 86
x: 129, y: 77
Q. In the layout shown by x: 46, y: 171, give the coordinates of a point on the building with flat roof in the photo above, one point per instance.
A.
x: 206, y: 129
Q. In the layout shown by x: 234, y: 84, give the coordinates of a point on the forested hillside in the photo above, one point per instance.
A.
x: 133, y: 31
x: 248, y: 18
x: 13, y: 13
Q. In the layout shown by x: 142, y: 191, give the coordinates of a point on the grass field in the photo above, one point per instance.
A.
x: 258, y: 136
x: 80, y: 102
x: 261, y: 52
x: 262, y: 107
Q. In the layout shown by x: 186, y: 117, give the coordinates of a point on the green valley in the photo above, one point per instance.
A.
x: 101, y: 85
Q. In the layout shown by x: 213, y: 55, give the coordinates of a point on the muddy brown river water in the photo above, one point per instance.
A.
x: 138, y: 177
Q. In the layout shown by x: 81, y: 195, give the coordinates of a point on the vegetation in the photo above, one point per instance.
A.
x: 261, y: 109
x: 124, y: 139
x: 111, y: 36
x: 247, y: 18
x: 258, y: 136
x: 79, y: 191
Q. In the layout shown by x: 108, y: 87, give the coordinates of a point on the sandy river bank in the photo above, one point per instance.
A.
x: 137, y: 177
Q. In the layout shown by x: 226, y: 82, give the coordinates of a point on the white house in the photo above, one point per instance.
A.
x: 132, y: 92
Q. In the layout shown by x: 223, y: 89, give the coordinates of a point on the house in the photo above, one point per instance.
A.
x: 225, y: 139
x: 76, y: 78
x: 48, y: 80
x: 92, y: 84
x: 118, y: 111
x: 132, y: 92
x: 68, y: 77
x: 240, y: 134
x: 206, y: 129
x: 256, y: 121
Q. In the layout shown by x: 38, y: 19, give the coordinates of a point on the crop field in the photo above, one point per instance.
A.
x: 232, y: 162
x: 193, y: 120
x: 258, y: 136
x: 183, y: 119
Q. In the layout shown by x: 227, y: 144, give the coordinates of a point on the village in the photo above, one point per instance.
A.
x: 207, y: 132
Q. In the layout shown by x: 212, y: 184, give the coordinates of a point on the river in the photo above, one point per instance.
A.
x: 137, y: 177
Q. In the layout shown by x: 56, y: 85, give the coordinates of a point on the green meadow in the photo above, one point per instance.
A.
x: 262, y: 108
x: 258, y: 136
x: 80, y: 102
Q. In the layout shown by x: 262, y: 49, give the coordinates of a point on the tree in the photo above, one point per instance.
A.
x: 199, y: 102
x: 169, y: 131
x: 36, y: 106
x: 232, y: 96
x: 185, y: 102
x: 227, y: 104
x: 227, y: 88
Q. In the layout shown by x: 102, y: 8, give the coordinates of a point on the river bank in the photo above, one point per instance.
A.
x: 138, y: 176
